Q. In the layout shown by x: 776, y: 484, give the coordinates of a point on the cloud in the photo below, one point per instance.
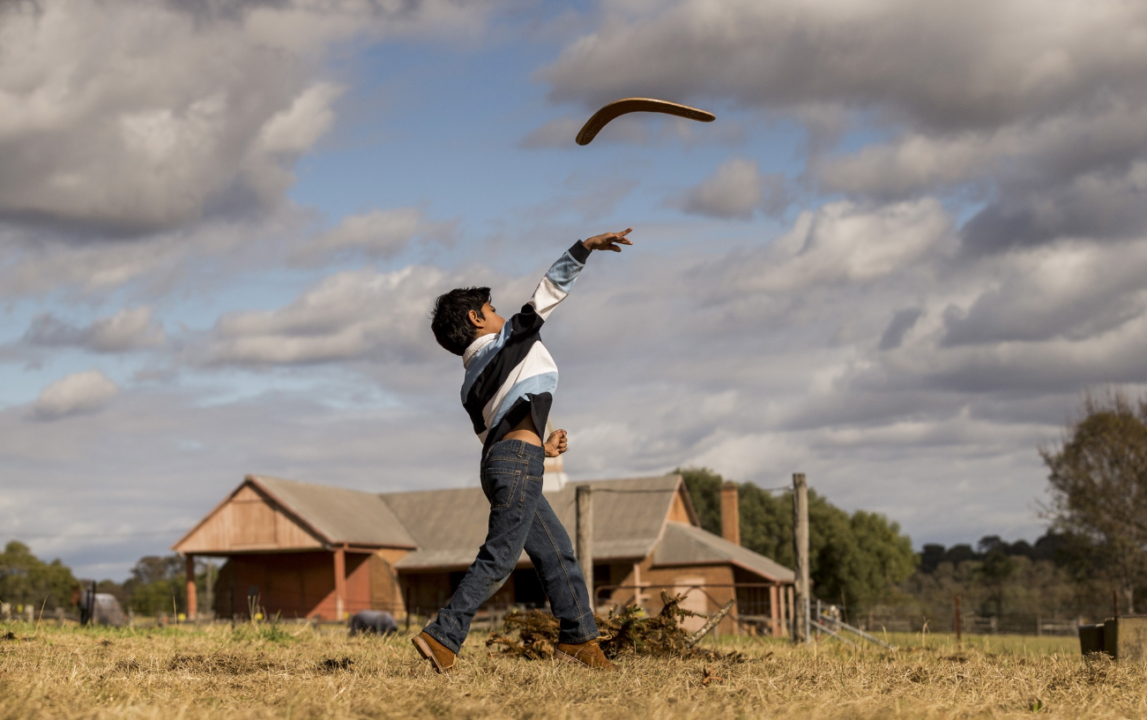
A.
x: 358, y: 315
x: 901, y: 323
x: 129, y: 329
x: 76, y: 394
x: 173, y: 111
x: 377, y: 234
x: 1001, y: 102
x: 735, y: 190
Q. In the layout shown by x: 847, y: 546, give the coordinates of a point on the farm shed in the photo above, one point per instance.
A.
x: 305, y: 550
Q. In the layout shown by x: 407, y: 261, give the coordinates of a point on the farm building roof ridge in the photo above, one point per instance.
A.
x: 685, y: 544
x: 342, y: 515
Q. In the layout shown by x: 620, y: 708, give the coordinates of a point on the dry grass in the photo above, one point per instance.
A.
x: 294, y: 672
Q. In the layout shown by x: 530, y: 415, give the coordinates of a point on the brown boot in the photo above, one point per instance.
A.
x: 438, y: 654
x: 587, y: 653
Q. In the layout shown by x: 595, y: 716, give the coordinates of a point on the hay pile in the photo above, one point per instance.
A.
x: 625, y: 631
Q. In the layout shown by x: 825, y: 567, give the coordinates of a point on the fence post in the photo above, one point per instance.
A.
x: 584, y: 497
x: 801, y: 609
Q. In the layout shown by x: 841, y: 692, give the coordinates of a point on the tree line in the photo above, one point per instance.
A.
x: 1091, y: 563
x: 157, y: 584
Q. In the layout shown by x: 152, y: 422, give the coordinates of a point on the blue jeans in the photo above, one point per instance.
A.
x: 520, y: 518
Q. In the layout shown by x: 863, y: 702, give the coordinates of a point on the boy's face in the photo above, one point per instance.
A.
x: 490, y: 322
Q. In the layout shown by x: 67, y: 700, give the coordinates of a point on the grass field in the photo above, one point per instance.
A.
x: 292, y: 671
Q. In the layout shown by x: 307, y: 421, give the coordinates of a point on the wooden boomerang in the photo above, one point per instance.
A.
x: 629, y: 105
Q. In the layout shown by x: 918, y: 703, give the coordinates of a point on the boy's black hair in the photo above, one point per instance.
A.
x: 450, y: 319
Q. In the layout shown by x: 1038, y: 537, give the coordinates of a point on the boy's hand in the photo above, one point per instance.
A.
x: 608, y: 241
x: 556, y: 444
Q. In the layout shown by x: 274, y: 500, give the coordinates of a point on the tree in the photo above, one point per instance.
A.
x: 1098, y: 478
x: 24, y: 578
x: 854, y: 559
x: 156, y: 587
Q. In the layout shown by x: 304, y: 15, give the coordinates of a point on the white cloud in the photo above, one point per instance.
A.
x: 349, y: 316
x: 173, y: 111
x: 377, y: 234
x: 129, y: 329
x: 79, y: 393
x: 735, y: 190
x: 1007, y: 102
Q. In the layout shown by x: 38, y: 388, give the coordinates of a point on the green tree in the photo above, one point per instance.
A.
x: 25, y: 579
x: 1098, y: 478
x: 855, y: 559
x: 156, y: 585
x: 704, y: 487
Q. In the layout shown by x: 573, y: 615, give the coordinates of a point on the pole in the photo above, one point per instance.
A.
x: 801, y: 606
x: 192, y: 601
x: 209, y: 591
x: 585, y: 535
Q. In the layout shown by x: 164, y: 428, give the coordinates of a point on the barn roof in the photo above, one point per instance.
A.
x: 688, y: 545
x: 447, y: 525
x: 441, y: 529
x: 338, y: 514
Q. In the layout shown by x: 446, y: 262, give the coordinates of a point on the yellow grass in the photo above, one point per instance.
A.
x: 295, y: 672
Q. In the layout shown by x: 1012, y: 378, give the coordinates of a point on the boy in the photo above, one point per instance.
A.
x: 508, y: 389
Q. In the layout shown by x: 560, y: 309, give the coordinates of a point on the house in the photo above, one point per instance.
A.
x: 302, y: 550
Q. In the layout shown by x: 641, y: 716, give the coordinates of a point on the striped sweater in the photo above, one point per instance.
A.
x: 510, y: 374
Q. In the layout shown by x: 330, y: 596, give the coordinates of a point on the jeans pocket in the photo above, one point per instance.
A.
x: 503, y: 486
x: 526, y: 485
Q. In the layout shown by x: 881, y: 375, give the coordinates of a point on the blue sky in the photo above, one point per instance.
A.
x: 892, y: 264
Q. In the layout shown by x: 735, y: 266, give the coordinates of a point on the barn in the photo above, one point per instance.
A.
x: 304, y: 550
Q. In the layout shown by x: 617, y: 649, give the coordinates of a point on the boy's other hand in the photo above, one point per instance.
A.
x: 556, y: 444
x: 608, y: 241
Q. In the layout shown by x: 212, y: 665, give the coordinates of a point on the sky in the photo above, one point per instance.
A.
x: 914, y: 237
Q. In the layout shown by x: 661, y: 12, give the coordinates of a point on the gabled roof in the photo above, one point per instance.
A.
x: 688, y: 545
x: 337, y: 514
x: 449, y: 525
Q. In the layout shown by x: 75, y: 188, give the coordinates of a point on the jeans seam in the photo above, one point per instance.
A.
x: 557, y: 551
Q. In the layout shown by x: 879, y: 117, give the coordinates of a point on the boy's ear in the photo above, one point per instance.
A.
x: 474, y: 317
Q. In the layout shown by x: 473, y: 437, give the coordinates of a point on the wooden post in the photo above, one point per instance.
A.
x: 774, y: 610
x: 209, y: 591
x: 584, y: 497
x: 340, y: 582
x: 730, y: 513
x: 801, y: 608
x: 192, y: 600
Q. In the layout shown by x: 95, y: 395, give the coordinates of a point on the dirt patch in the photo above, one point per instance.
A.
x: 333, y: 665
x: 219, y: 664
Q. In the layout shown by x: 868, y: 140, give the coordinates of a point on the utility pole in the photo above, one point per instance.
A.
x: 801, y: 606
x: 585, y: 537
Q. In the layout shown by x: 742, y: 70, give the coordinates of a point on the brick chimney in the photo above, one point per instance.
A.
x: 730, y: 515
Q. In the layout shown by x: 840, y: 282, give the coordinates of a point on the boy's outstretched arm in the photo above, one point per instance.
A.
x: 555, y: 286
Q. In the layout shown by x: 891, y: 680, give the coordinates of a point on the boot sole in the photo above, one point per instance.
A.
x: 425, y: 651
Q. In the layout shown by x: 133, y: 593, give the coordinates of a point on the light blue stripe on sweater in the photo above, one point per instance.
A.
x: 483, y: 358
x: 563, y: 272
x: 545, y: 382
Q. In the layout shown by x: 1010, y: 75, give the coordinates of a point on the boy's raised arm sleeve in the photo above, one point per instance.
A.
x: 559, y: 279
